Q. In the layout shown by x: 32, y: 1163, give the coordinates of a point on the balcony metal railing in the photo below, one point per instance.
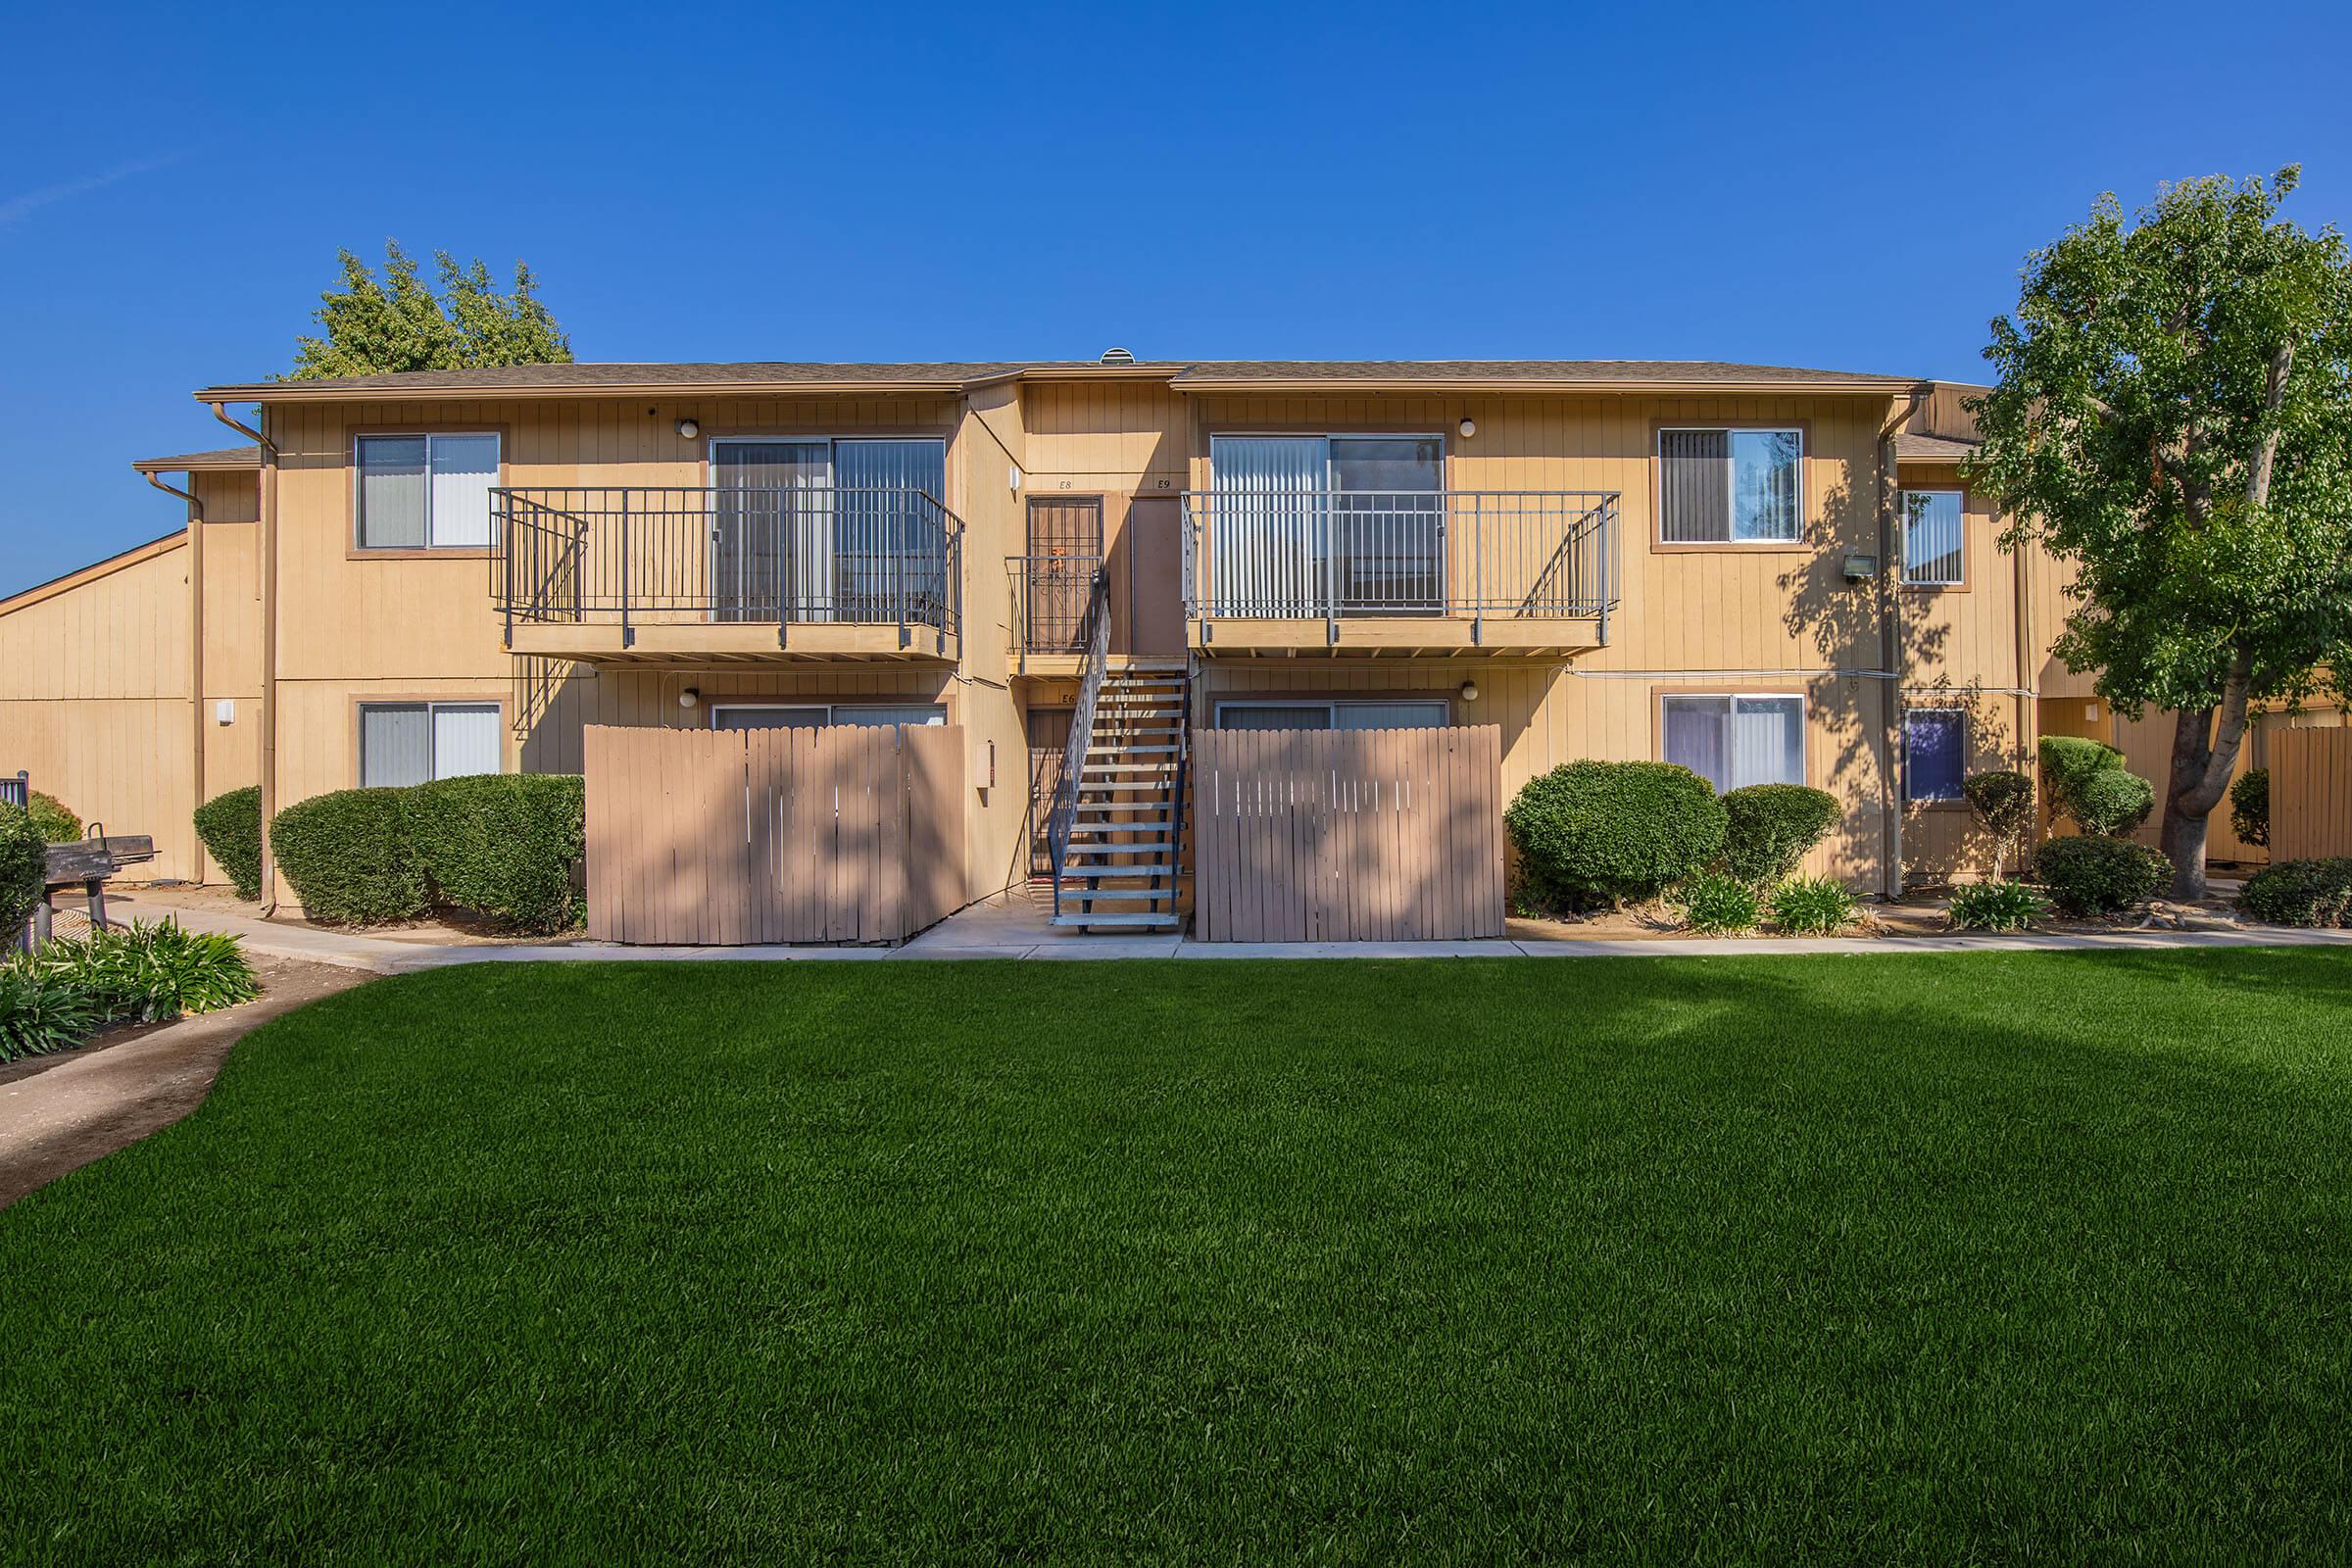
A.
x: 1481, y: 554
x: 632, y: 556
x: 1051, y: 600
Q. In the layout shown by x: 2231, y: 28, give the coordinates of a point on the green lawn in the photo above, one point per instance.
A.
x: 2001, y: 1257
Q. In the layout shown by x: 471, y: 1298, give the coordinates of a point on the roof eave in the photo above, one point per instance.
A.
x: 298, y: 392
x: 1551, y: 387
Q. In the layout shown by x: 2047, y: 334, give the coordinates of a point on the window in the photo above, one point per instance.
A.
x: 1732, y: 742
x: 1934, y: 753
x: 1724, y: 486
x: 1411, y: 714
x: 414, y: 743
x: 1933, y: 555
x: 816, y: 715
x: 424, y: 492
x: 816, y: 529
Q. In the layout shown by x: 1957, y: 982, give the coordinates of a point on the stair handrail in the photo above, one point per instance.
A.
x: 1082, y: 729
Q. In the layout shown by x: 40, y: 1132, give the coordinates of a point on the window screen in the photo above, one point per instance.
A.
x: 1934, y: 753
x: 1932, y: 539
x: 1732, y: 742
x: 413, y: 743
x: 1729, y: 486
x: 425, y: 491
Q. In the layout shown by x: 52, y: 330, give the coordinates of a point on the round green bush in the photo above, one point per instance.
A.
x: 1811, y: 906
x: 2111, y: 802
x: 506, y: 845
x: 56, y: 823
x: 2312, y: 893
x: 1591, y: 833
x: 1996, y: 907
x: 23, y: 868
x: 349, y: 858
x: 2068, y: 760
x: 230, y: 826
x: 2086, y: 876
x: 2250, y: 806
x: 1769, y: 827
x: 1713, y: 901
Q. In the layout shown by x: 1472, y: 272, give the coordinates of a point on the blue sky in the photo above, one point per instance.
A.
x: 1841, y: 186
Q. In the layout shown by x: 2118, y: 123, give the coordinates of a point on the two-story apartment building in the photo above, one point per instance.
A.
x: 1765, y: 573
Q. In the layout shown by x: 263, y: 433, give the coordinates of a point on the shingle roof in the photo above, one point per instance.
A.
x: 247, y: 456
x: 1695, y: 373
x: 1933, y: 448
x: 953, y: 376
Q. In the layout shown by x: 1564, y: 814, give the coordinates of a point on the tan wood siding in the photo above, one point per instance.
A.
x: 2311, y: 794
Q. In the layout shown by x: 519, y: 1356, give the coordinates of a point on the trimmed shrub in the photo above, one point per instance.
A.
x: 1713, y: 901
x: 1769, y: 827
x: 2316, y: 893
x: 1811, y: 906
x: 2087, y: 876
x: 349, y: 858
x: 57, y: 824
x: 2111, y: 802
x: 1591, y: 833
x: 155, y: 970
x: 506, y: 845
x: 2003, y: 801
x: 2067, y: 761
x: 23, y: 866
x: 1996, y: 907
x: 2250, y: 806
x: 230, y: 826
x: 41, y: 1009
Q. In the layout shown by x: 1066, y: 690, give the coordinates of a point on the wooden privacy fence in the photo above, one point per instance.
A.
x: 2311, y: 793
x: 1389, y: 835
x: 729, y: 836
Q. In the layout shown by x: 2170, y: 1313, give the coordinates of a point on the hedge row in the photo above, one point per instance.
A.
x: 508, y: 846
x: 2314, y: 893
x: 1591, y: 833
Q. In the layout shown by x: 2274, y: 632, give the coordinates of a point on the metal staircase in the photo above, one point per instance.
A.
x: 1117, y: 828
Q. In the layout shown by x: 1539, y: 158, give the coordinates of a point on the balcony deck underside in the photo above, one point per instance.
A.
x: 825, y: 642
x: 1396, y: 637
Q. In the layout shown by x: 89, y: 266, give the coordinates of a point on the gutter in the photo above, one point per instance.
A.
x: 268, y: 713
x: 195, y: 640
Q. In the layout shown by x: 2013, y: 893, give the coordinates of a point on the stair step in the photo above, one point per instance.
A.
x: 1133, y: 751
x: 1163, y: 920
x: 1151, y: 846
x: 1119, y: 895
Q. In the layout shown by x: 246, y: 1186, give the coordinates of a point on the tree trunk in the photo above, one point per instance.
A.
x: 2204, y: 756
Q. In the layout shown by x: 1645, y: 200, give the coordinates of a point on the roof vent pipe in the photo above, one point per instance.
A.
x: 1116, y: 357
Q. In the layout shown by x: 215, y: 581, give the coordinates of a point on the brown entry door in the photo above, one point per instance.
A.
x: 1049, y: 738
x: 1065, y: 549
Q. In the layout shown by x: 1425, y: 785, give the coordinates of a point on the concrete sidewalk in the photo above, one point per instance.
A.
x: 1012, y: 929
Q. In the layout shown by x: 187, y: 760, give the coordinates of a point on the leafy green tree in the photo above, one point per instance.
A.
x: 2173, y: 414
x: 399, y: 323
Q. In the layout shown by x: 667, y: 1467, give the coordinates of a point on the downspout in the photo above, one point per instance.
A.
x: 195, y: 644
x: 268, y: 713
x: 1891, y: 641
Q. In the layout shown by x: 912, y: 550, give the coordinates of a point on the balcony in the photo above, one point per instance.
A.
x: 1053, y: 600
x: 722, y: 573
x: 1421, y: 572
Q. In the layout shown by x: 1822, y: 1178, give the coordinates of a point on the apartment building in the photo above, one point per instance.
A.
x: 1765, y: 573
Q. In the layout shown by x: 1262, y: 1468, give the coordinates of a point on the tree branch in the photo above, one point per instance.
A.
x: 2205, y: 792
x: 2258, y: 477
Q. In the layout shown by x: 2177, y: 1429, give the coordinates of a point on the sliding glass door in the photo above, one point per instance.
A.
x: 1340, y: 525
x: 823, y: 530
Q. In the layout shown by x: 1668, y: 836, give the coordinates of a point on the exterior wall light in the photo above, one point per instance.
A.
x: 689, y: 428
x: 225, y: 710
x: 1469, y: 691
x: 1012, y: 477
x: 689, y: 697
x: 1469, y: 428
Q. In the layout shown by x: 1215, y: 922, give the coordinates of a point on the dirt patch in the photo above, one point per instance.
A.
x: 58, y: 1112
x: 449, y: 928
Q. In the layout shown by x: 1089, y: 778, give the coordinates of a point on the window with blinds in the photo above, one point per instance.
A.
x: 1732, y: 742
x: 416, y: 742
x: 1405, y: 714
x: 1729, y: 486
x: 424, y: 492
x: 1932, y: 552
